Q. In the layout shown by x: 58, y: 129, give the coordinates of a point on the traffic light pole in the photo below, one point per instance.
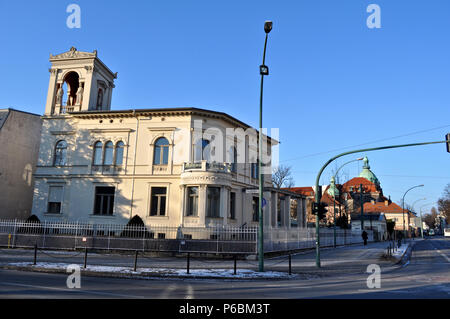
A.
x: 318, y: 188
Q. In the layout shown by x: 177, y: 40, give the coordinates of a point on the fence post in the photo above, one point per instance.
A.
x: 85, y: 256
x: 35, y: 254
x: 76, y: 236
x: 187, y: 266
x: 143, y: 237
x: 15, y: 234
x: 109, y: 236
x: 45, y: 230
x: 290, y: 265
x: 235, y: 262
x: 135, y: 260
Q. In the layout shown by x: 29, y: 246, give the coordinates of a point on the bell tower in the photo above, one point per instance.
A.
x: 79, y: 81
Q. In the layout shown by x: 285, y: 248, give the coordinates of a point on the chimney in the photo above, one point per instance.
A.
x: 386, y: 202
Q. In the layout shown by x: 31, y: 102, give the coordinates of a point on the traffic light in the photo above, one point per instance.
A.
x: 447, y: 138
x: 321, y: 209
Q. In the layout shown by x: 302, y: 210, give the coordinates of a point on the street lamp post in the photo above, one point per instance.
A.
x: 403, y: 209
x: 263, y: 70
x: 334, y: 195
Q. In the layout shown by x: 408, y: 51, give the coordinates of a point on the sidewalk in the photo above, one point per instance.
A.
x: 334, y: 261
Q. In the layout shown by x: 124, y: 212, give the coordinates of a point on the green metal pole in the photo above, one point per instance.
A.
x: 318, y: 195
x: 260, y: 175
x: 334, y: 217
x: 361, y: 200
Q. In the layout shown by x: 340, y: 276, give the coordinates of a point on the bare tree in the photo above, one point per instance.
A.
x: 430, y: 219
x: 340, y: 177
x: 444, y: 203
x: 282, y: 177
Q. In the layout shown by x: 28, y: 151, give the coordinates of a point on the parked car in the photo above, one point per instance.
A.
x: 447, y: 232
x: 431, y: 232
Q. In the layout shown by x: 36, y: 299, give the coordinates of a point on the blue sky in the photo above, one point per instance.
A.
x: 333, y: 84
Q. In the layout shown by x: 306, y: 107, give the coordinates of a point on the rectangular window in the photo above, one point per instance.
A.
x: 158, y: 201
x: 192, y: 208
x: 232, y: 205
x: 213, y: 202
x: 255, y: 171
x: 104, y: 200
x: 54, y: 199
x: 255, y: 204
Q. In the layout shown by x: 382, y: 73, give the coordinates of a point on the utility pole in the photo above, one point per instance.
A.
x: 263, y: 70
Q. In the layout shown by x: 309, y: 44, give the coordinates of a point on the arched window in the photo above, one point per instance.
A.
x: 98, y: 153
x: 108, y: 158
x: 233, y: 156
x: 161, y: 156
x: 119, y: 153
x: 202, y: 150
x: 60, y: 154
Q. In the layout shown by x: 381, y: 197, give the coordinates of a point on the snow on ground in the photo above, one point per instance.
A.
x: 216, y: 273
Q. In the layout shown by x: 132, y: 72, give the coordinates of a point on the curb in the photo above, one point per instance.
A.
x: 147, y: 276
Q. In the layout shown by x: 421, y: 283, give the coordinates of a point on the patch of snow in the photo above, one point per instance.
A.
x: 216, y: 273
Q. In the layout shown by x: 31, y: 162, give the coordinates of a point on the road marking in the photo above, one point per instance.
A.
x: 168, y: 291
x: 190, y: 292
x: 441, y: 253
x: 70, y: 290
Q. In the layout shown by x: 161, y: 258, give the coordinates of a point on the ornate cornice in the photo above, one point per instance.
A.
x: 73, y: 54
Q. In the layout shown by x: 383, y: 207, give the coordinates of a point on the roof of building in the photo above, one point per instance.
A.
x: 386, y: 207
x: 307, y: 191
x: 164, y: 112
x: 3, y: 116
x: 356, y: 181
x: 4, y: 113
x: 368, y: 174
x: 368, y: 216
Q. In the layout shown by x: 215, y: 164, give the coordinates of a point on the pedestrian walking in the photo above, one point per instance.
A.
x: 364, y: 237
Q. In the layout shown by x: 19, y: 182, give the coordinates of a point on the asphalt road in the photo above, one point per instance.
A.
x: 427, y: 275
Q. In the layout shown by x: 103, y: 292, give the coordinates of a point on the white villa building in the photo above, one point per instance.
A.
x: 175, y: 167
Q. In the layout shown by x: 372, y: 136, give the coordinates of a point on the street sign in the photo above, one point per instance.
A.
x: 252, y: 191
x: 264, y: 202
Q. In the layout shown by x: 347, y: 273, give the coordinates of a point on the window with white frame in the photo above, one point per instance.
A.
x: 60, y: 158
x: 158, y: 201
x: 104, y: 200
x: 255, y: 206
x: 213, y: 202
x: 55, y: 195
x: 119, y: 153
x: 232, y: 205
x: 161, y: 153
x: 98, y: 150
x: 192, y: 205
x: 202, y: 150
x: 109, y: 150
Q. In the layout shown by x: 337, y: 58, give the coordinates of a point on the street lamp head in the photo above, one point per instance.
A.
x: 360, y: 158
x: 268, y: 26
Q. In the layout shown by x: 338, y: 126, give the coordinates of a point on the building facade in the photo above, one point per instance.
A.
x: 187, y: 167
x: 19, y: 141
